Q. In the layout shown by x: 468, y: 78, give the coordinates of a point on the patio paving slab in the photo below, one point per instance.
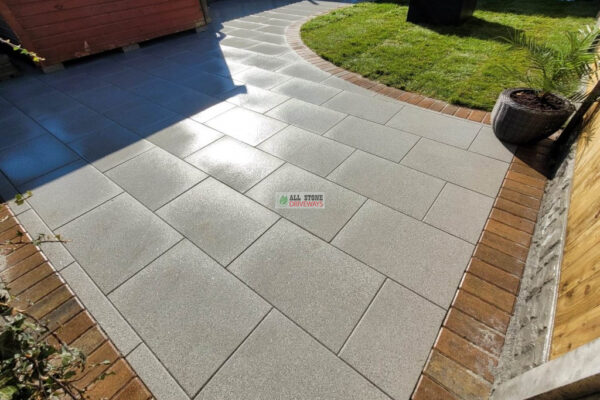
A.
x: 306, y: 91
x: 261, y: 78
x: 392, y: 342
x: 142, y: 175
x: 453, y: 131
x: 57, y: 203
x: 183, y: 282
x: 371, y: 109
x: 306, y: 71
x: 487, y: 144
x: 307, y: 116
x: 307, y: 150
x: 429, y: 261
x: 219, y: 220
x: 235, y: 163
x: 461, y: 212
x: 254, y: 98
x: 322, y: 289
x: 396, y: 186
x: 117, y: 239
x: 340, y: 203
x: 183, y: 138
x: 464, y: 168
x: 18, y: 128
x: 28, y: 160
x: 280, y: 361
x: 246, y: 125
x: 373, y: 138
x: 110, y: 147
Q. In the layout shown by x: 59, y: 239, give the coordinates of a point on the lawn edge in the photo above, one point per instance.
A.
x: 294, y: 40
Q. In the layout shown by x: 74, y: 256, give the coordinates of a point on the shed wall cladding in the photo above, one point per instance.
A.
x: 577, y: 319
x: 59, y: 30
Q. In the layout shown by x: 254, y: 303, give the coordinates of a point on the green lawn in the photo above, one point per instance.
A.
x: 458, y: 64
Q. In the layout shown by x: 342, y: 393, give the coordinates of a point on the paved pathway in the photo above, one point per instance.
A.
x: 161, y: 166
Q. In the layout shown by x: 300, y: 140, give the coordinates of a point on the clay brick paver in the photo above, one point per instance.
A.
x: 163, y: 169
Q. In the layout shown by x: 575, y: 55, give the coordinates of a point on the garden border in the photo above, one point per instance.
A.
x: 40, y: 291
x: 294, y: 40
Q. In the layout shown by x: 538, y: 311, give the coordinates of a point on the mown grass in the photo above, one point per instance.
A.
x: 461, y: 65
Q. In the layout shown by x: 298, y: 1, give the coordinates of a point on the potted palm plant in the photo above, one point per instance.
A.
x: 553, y: 80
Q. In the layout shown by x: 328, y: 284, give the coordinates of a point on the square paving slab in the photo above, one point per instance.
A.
x: 427, y: 260
x: 280, y: 361
x: 218, y: 219
x: 160, y: 301
x: 322, y: 289
x: 117, y: 239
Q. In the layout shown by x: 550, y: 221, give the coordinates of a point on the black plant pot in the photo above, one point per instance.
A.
x: 516, y: 123
x: 440, y: 12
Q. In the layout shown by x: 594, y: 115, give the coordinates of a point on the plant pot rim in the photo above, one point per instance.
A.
x: 569, y: 107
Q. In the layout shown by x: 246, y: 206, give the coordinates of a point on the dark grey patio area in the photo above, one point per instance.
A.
x: 162, y: 167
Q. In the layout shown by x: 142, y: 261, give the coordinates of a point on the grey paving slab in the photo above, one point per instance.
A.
x: 209, y: 84
x: 487, y: 144
x: 69, y: 192
x: 392, y: 342
x: 278, y: 22
x: 234, y: 54
x: 269, y: 49
x: 242, y: 24
x: 139, y: 115
x: 254, y: 98
x: 421, y: 257
x: 261, y: 78
x: 368, y: 108
x: 238, y: 43
x: 394, y: 185
x: 373, y: 138
x: 280, y: 361
x: 259, y: 36
x: 74, y: 123
x: 205, y: 310
x: 183, y: 137
x: 340, y: 203
x: 154, y: 375
x: 211, y: 112
x: 54, y: 251
x: 245, y: 125
x: 117, y: 239
x: 155, y: 177
x: 460, y: 212
x: 110, y: 147
x: 277, y: 30
x: 8, y: 193
x: 127, y: 78
x: 16, y: 128
x: 235, y: 163
x: 306, y: 71
x: 306, y: 90
x: 307, y: 116
x: 36, y: 157
x: 464, y: 168
x: 442, y: 128
x: 117, y: 328
x: 307, y: 150
x: 220, y: 66
x: 104, y: 98
x: 339, y: 83
x: 322, y: 289
x: 219, y: 220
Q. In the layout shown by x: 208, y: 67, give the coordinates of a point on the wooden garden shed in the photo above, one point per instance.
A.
x: 60, y: 30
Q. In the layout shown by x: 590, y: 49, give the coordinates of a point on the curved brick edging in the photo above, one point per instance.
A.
x: 294, y: 40
x: 39, y: 289
x: 463, y: 359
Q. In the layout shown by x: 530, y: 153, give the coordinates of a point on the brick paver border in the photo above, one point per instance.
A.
x: 466, y: 351
x: 41, y: 292
x: 294, y: 40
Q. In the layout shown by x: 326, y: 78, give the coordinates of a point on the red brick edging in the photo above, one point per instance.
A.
x: 40, y: 291
x: 295, y: 41
x: 462, y: 362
